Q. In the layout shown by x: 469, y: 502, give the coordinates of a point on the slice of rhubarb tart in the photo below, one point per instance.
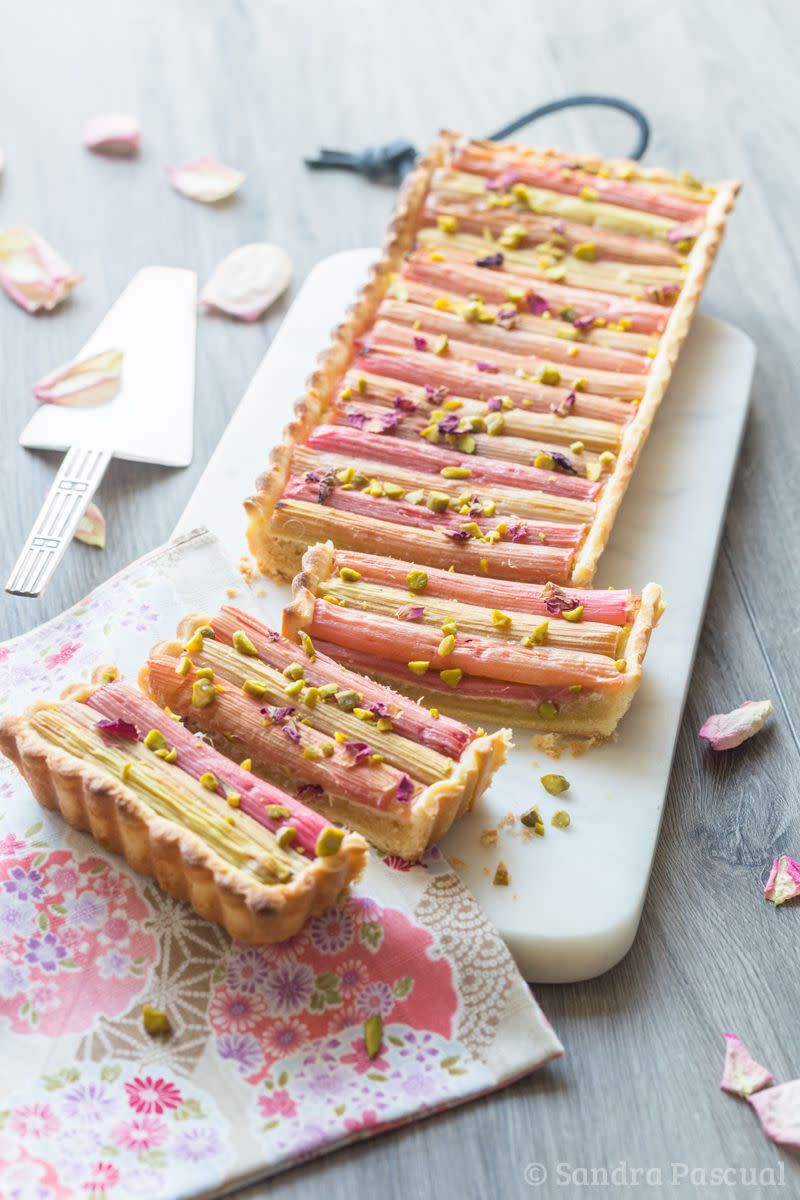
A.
x: 350, y: 748
x: 563, y: 661
x: 240, y: 850
x: 485, y: 401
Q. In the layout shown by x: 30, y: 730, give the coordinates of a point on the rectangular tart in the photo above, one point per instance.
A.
x: 484, y: 402
x: 561, y: 661
x: 350, y: 748
x: 241, y: 851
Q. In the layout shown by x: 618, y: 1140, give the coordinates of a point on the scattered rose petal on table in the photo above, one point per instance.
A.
x: 31, y: 272
x: 248, y: 280
x: 724, y: 731
x: 112, y: 133
x: 742, y: 1075
x: 92, y: 528
x: 84, y: 383
x: 778, y: 1110
x: 205, y: 180
x: 784, y: 880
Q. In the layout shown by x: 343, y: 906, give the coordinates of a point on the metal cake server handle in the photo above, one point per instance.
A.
x: 59, y: 517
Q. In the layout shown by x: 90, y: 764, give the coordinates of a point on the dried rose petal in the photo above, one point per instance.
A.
x: 741, y: 1074
x: 490, y: 368
x: 92, y: 528
x: 405, y: 789
x: 357, y: 420
x: 117, y: 728
x: 505, y: 180
x: 410, y: 612
x: 556, y: 600
x: 248, y: 281
x: 404, y: 404
x: 84, y: 383
x: 113, y: 133
x: 784, y: 880
x: 357, y: 751
x: 420, y: 343
x: 449, y: 424
x: 726, y: 730
x: 778, y: 1110
x: 205, y: 180
x: 536, y: 304
x: 491, y: 260
x: 34, y: 276
x: 292, y: 734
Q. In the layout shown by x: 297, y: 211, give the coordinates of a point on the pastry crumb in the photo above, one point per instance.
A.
x: 507, y: 821
x: 489, y: 838
x: 248, y: 569
x: 231, y: 592
x: 458, y: 864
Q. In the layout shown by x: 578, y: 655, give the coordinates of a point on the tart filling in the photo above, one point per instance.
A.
x: 561, y: 660
x: 501, y: 369
x: 349, y: 747
x: 242, y: 851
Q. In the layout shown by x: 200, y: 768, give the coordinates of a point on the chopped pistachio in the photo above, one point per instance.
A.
x: 204, y: 673
x: 548, y: 710
x: 329, y: 841
x: 446, y: 646
x: 184, y: 666
x: 513, y: 236
x: 495, y: 423
x: 586, y: 251
x: 277, y: 812
x: 246, y: 764
x: 327, y: 749
x: 294, y: 689
x: 393, y: 491
x: 203, y: 693
x: 307, y: 644
x: 466, y: 443
x: 575, y: 688
x: 573, y: 614
x: 419, y: 667
x: 560, y: 819
x: 209, y: 781
x: 607, y: 459
x: 415, y: 497
x: 364, y: 714
x: 455, y: 472
x: 500, y: 619
x: 447, y: 223
x: 417, y: 581
x: 554, y: 784
x: 449, y: 627
x: 254, y: 688
x: 502, y: 877
x: 442, y: 303
x: 285, y: 836
x: 168, y: 756
x: 156, y: 1023
x: 376, y: 759
x: 346, y: 393
x: 311, y: 753
x: 588, y: 193
x: 294, y: 670
x: 327, y: 690
x: 345, y: 475
x: 441, y: 344
x: 195, y: 643
x: 577, y: 447
x: 384, y: 725
x: 347, y: 700
x: 349, y: 575
x: 580, y: 384
x: 549, y: 375
x: 373, y: 1033
x: 622, y: 665
x: 452, y: 676
x: 434, y: 713
x: 155, y: 740
x: 234, y: 799
x: 544, y: 461
x: 484, y: 566
x: 311, y: 696
x: 242, y: 643
x: 438, y: 502
x: 532, y: 819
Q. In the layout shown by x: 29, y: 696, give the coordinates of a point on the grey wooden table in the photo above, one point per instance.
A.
x: 260, y: 82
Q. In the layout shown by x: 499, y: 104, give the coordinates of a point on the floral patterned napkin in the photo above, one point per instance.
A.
x: 266, y: 1065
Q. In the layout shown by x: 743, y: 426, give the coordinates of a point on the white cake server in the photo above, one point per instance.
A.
x: 149, y: 420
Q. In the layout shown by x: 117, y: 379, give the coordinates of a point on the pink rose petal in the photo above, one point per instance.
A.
x: 92, y: 528
x: 112, y: 133
x: 205, y: 180
x: 31, y: 272
x: 778, y: 1111
x: 248, y: 280
x: 742, y: 1075
x: 784, y: 880
x: 726, y: 730
x: 83, y: 383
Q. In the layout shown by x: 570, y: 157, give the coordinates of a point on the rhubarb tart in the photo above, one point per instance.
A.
x: 348, y: 747
x: 484, y: 403
x: 241, y: 851
x: 564, y: 661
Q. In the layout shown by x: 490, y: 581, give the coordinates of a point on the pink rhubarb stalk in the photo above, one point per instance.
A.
x: 446, y: 735
x: 607, y: 607
x: 196, y: 758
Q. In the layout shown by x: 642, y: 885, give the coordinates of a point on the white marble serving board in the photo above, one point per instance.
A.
x: 576, y: 895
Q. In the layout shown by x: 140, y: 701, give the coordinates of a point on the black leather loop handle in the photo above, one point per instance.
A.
x: 396, y: 159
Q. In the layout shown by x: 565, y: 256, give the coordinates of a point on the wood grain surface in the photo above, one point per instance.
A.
x: 259, y: 83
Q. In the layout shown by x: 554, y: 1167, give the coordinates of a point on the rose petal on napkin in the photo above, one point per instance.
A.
x: 778, y: 1110
x: 724, y: 731
x: 205, y: 180
x: 742, y: 1075
x: 784, y: 880
x: 31, y: 272
x: 92, y: 528
x: 248, y: 280
x: 84, y: 383
x: 113, y: 133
